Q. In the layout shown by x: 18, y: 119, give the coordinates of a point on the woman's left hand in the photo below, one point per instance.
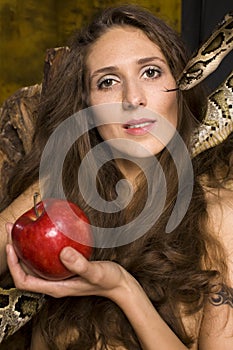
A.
x: 103, y: 278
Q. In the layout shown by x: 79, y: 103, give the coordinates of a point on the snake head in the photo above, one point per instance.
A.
x: 190, y: 77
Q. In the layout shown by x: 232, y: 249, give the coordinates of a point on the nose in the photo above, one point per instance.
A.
x: 133, y: 96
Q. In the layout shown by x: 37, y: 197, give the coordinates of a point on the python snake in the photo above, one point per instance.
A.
x: 18, y: 307
x: 218, y: 121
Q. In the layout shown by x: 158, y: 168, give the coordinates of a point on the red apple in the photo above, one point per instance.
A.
x: 40, y: 234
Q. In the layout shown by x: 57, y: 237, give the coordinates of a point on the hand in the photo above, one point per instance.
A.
x: 104, y: 278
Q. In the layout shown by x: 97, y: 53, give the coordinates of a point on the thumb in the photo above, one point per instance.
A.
x: 73, y: 260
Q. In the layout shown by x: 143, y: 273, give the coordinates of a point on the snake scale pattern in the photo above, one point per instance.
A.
x: 218, y: 122
x: 18, y: 307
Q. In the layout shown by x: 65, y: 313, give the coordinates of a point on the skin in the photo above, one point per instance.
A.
x: 133, y: 91
x: 131, y: 78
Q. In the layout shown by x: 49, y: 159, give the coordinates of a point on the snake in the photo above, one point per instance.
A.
x: 17, y: 307
x: 217, y: 123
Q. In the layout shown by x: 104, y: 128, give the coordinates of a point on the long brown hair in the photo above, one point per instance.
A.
x: 169, y: 266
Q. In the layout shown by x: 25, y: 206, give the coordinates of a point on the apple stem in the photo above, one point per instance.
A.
x: 35, y: 197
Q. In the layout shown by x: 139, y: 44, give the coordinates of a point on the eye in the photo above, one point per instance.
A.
x: 107, y: 82
x: 152, y: 72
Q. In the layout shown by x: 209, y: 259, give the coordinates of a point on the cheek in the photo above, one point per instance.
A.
x: 105, y: 131
x: 91, y: 99
x: 169, y: 108
x: 173, y: 108
x: 98, y: 97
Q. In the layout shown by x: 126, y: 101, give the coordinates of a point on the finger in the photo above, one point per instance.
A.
x: 8, y: 230
x: 12, y: 258
x: 13, y: 264
x: 9, y: 226
x: 32, y: 283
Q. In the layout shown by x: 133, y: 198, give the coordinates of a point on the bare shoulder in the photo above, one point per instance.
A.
x: 20, y: 204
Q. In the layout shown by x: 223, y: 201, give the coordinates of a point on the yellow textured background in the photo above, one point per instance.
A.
x: 29, y: 27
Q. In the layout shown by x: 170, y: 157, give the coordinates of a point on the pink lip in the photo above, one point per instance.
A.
x: 146, y: 126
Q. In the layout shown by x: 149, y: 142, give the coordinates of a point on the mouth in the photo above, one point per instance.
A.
x: 139, y: 127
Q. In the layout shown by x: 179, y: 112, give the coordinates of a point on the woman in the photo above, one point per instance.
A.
x: 157, y: 290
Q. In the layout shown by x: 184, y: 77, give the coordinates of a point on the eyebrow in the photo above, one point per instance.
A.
x: 149, y: 59
x: 110, y: 69
x: 104, y: 70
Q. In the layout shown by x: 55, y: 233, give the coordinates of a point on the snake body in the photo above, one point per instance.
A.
x: 209, y: 55
x: 18, y: 307
x: 218, y: 121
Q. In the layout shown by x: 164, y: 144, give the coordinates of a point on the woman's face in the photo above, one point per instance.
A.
x: 129, y: 76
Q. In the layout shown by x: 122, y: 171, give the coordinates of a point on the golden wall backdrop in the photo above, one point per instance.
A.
x: 29, y: 27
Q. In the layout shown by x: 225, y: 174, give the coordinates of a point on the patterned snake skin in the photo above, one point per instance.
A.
x: 218, y: 121
x: 18, y: 307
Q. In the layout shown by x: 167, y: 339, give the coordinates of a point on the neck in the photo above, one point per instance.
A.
x: 132, y: 168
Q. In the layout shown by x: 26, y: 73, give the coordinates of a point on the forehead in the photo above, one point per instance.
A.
x: 121, y: 43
